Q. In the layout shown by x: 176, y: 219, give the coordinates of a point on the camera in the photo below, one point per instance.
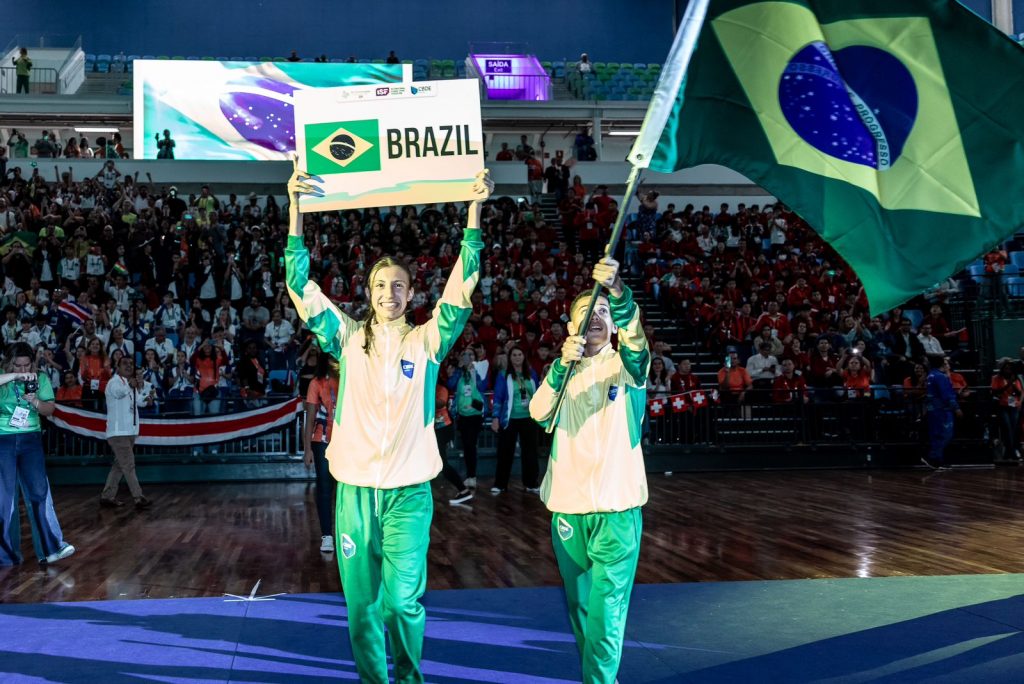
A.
x: 31, y: 387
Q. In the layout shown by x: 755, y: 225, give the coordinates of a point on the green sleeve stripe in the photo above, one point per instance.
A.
x: 633, y: 347
x: 455, y: 306
x: 636, y: 407
x: 331, y: 327
x: 430, y: 393
x: 556, y: 375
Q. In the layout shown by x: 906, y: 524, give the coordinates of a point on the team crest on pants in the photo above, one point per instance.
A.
x: 348, y: 547
x: 564, y: 530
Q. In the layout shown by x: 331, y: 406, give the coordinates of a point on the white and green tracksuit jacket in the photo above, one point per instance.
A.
x: 596, y: 464
x: 384, y: 420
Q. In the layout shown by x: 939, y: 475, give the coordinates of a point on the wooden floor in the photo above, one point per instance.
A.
x: 203, y: 540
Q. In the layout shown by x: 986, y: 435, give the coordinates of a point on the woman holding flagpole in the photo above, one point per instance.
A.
x: 388, y: 454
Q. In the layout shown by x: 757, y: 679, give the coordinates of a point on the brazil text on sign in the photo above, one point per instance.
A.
x: 384, y: 146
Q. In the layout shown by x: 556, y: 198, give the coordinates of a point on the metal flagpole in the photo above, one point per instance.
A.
x: 609, y: 249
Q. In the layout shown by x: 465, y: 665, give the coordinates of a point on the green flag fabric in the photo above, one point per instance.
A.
x: 895, y: 128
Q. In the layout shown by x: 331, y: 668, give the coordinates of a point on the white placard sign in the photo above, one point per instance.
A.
x: 384, y: 145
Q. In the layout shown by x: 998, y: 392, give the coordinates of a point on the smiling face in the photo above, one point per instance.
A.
x: 599, y: 332
x: 390, y: 292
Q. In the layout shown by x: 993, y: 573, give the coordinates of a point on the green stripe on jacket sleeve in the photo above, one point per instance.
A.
x: 542, y: 405
x: 454, y: 307
x: 633, y: 348
x: 325, y: 320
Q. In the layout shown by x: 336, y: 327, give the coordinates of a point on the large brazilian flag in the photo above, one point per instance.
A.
x: 894, y: 127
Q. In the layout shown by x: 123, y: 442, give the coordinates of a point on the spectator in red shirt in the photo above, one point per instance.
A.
x: 504, y: 154
x: 799, y: 293
x: 534, y: 176
x: 856, y: 373
x: 1008, y: 391
x: 790, y: 387
x: 795, y: 353
x: 823, y: 371
x: 774, y: 319
x: 684, y: 379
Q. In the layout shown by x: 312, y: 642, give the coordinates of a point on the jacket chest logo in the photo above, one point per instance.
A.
x: 613, y: 392
x: 408, y: 368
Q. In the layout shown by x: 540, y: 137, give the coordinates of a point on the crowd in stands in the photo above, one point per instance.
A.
x: 192, y: 287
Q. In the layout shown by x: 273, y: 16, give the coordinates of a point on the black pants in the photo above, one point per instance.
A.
x: 444, y: 437
x: 469, y: 431
x: 526, y: 431
x: 326, y: 486
x: 22, y: 84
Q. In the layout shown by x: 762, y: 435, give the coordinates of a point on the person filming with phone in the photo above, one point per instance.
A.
x: 24, y: 396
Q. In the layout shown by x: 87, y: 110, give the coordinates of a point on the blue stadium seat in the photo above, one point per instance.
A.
x: 148, y: 57
x: 976, y: 269
x: 1011, y: 269
x: 1014, y: 286
x: 1017, y: 258
x: 103, y: 67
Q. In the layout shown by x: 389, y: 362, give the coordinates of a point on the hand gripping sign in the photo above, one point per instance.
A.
x: 411, y: 143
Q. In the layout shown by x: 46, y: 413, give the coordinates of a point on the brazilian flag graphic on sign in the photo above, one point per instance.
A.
x: 343, y: 147
x: 895, y: 128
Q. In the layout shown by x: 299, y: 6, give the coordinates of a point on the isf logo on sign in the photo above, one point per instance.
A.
x: 381, y: 92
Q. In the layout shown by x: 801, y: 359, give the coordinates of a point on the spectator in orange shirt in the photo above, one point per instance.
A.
x: 70, y: 392
x: 207, y: 363
x: 958, y: 381
x: 734, y: 381
x: 321, y: 401
x: 94, y: 369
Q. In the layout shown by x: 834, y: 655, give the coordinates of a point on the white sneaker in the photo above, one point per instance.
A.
x: 495, y: 491
x: 64, y: 552
x: 470, y: 482
x: 462, y: 497
x: 533, y: 490
x: 327, y: 544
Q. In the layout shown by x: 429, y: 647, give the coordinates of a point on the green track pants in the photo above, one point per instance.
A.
x: 382, y: 538
x: 597, y: 555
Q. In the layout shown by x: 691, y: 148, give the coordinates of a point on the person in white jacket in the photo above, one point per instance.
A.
x: 384, y: 452
x: 124, y: 397
x: 595, y: 482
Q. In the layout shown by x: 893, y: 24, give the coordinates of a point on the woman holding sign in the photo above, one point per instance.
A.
x: 387, y: 454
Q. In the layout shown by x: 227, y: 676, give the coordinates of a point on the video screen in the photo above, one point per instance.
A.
x: 233, y: 110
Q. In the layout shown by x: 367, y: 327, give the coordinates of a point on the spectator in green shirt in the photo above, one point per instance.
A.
x: 23, y: 67
x: 24, y: 396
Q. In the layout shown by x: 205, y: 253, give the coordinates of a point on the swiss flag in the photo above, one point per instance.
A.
x: 657, y: 407
x: 679, y: 404
x: 699, y: 400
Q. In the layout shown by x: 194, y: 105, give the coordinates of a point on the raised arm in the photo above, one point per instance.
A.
x: 325, y: 320
x: 454, y: 307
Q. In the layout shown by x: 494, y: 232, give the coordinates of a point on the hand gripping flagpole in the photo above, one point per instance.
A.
x: 609, y: 250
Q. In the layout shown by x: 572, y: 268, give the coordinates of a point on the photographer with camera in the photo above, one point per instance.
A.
x: 124, y: 394
x: 24, y: 396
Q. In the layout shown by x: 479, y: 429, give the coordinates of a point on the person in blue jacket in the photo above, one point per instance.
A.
x: 941, y: 406
x: 513, y: 390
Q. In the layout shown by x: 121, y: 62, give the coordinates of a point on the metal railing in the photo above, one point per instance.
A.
x: 41, y: 81
x: 828, y: 417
